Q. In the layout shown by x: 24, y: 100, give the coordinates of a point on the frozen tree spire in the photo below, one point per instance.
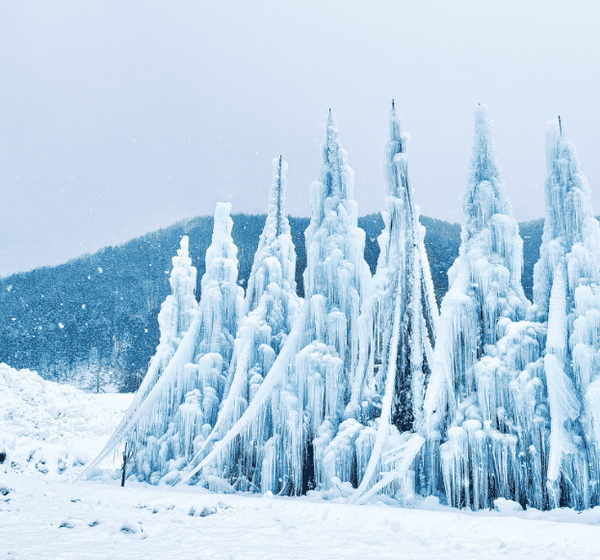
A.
x: 398, y: 320
x: 567, y: 191
x: 270, y: 245
x: 402, y: 275
x: 181, y: 408
x: 335, y: 283
x: 485, y: 195
x: 175, y: 316
x: 569, y: 217
x: 333, y: 207
x: 336, y: 275
x: 273, y: 307
x: 179, y: 308
x: 481, y: 347
x: 567, y: 294
x: 322, y: 346
x: 336, y: 177
x: 221, y: 296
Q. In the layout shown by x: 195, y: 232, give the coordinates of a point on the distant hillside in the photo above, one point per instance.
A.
x: 93, y: 320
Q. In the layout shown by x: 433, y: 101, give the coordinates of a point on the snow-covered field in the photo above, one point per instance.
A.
x: 47, y: 431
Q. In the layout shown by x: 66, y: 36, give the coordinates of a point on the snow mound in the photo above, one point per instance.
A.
x: 507, y: 507
x: 51, y: 429
x: 132, y: 527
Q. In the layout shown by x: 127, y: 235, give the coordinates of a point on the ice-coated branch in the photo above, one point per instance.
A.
x: 384, y: 419
x: 280, y: 197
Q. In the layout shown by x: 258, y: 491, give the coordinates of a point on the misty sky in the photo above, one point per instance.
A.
x: 118, y: 117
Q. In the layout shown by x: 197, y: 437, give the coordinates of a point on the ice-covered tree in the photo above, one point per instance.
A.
x: 256, y: 460
x: 397, y: 324
x: 175, y: 316
x: 484, y: 416
x: 567, y: 296
x: 174, y: 319
x: 335, y: 282
x: 322, y: 347
x: 168, y: 425
x: 402, y: 280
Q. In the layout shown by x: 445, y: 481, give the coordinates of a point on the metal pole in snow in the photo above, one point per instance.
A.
x: 559, y: 125
x: 124, y: 466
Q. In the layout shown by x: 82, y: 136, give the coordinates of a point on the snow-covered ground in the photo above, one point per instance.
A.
x: 43, y: 514
x: 52, y: 429
x: 52, y: 519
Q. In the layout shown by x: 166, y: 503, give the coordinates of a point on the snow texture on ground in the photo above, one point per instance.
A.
x: 52, y: 429
x: 41, y: 518
x: 45, y: 515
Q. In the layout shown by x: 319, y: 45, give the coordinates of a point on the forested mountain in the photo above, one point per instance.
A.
x: 93, y: 320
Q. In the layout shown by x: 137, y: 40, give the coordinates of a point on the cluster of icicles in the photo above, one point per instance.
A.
x: 360, y: 389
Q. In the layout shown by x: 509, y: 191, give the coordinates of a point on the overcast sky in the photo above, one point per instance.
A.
x: 118, y: 117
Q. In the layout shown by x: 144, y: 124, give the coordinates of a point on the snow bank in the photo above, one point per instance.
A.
x: 51, y: 429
